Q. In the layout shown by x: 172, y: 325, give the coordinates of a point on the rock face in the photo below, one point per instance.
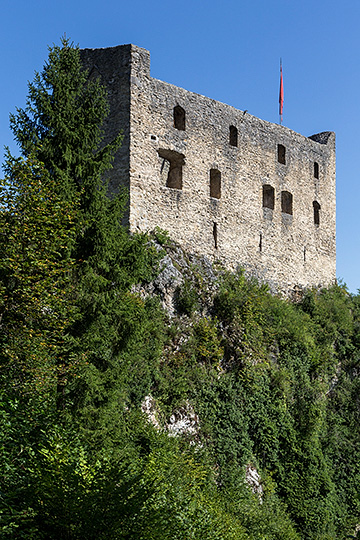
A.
x: 253, y: 479
x: 183, y: 421
x: 149, y: 408
x: 166, y: 283
x: 224, y: 183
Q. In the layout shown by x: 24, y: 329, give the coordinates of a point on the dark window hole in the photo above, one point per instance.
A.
x: 179, y: 118
x: 233, y: 136
x: 286, y: 202
x: 316, y: 170
x: 215, y: 183
x: 268, y: 197
x: 281, y: 154
x: 172, y: 165
x: 317, y: 208
x: 215, y: 235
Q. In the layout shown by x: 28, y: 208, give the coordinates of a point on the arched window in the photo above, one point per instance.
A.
x: 281, y: 154
x: 316, y: 170
x: 233, y: 136
x: 215, y: 183
x: 179, y: 118
x: 268, y: 196
x: 286, y: 202
x: 317, y: 208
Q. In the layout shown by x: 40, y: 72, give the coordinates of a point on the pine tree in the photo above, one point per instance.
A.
x: 62, y: 126
x: 66, y: 301
x: 62, y: 123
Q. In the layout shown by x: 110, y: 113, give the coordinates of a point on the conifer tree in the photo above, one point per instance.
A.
x: 61, y: 126
x: 66, y: 269
x: 62, y: 123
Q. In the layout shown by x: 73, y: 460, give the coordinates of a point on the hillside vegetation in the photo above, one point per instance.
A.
x: 147, y: 394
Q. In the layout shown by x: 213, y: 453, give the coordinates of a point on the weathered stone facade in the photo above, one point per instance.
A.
x: 222, y: 182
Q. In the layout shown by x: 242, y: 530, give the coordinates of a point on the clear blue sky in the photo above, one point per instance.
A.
x: 226, y: 50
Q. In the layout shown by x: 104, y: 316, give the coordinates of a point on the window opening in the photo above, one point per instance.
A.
x: 281, y: 154
x: 268, y: 197
x: 172, y: 166
x: 304, y: 254
x: 179, y: 118
x: 317, y: 208
x: 215, y: 183
x: 233, y: 136
x: 215, y: 235
x: 260, y: 243
x: 316, y: 170
x: 286, y: 202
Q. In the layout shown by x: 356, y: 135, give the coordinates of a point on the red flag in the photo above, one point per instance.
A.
x: 281, y: 94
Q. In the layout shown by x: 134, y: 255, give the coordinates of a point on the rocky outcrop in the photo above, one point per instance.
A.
x: 253, y: 479
x: 183, y: 421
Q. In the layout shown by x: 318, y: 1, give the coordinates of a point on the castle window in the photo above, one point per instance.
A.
x: 215, y: 235
x: 286, y: 202
x: 316, y: 170
x: 268, y: 197
x: 215, y: 183
x: 233, y: 136
x: 281, y: 154
x: 171, y: 166
x: 317, y: 208
x: 179, y: 118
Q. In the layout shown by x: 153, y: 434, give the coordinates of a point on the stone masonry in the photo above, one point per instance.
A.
x: 222, y: 182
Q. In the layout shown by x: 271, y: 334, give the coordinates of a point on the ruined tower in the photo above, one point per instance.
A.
x: 222, y: 182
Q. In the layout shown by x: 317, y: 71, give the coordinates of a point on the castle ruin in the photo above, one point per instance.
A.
x: 222, y: 182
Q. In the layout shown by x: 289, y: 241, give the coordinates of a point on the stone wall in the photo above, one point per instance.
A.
x: 203, y: 180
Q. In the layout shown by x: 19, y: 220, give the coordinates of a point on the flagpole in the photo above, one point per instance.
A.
x: 281, y: 94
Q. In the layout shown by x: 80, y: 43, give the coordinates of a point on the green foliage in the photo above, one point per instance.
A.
x: 76, y: 340
x: 206, y: 343
x: 62, y: 124
x: 275, y: 386
x: 162, y: 494
x: 332, y: 312
x: 241, y: 305
x: 36, y: 308
x: 187, y: 298
x: 161, y: 236
x: 36, y: 298
x: 273, y: 403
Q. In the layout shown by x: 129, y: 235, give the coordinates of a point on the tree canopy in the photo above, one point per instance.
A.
x: 271, y: 387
